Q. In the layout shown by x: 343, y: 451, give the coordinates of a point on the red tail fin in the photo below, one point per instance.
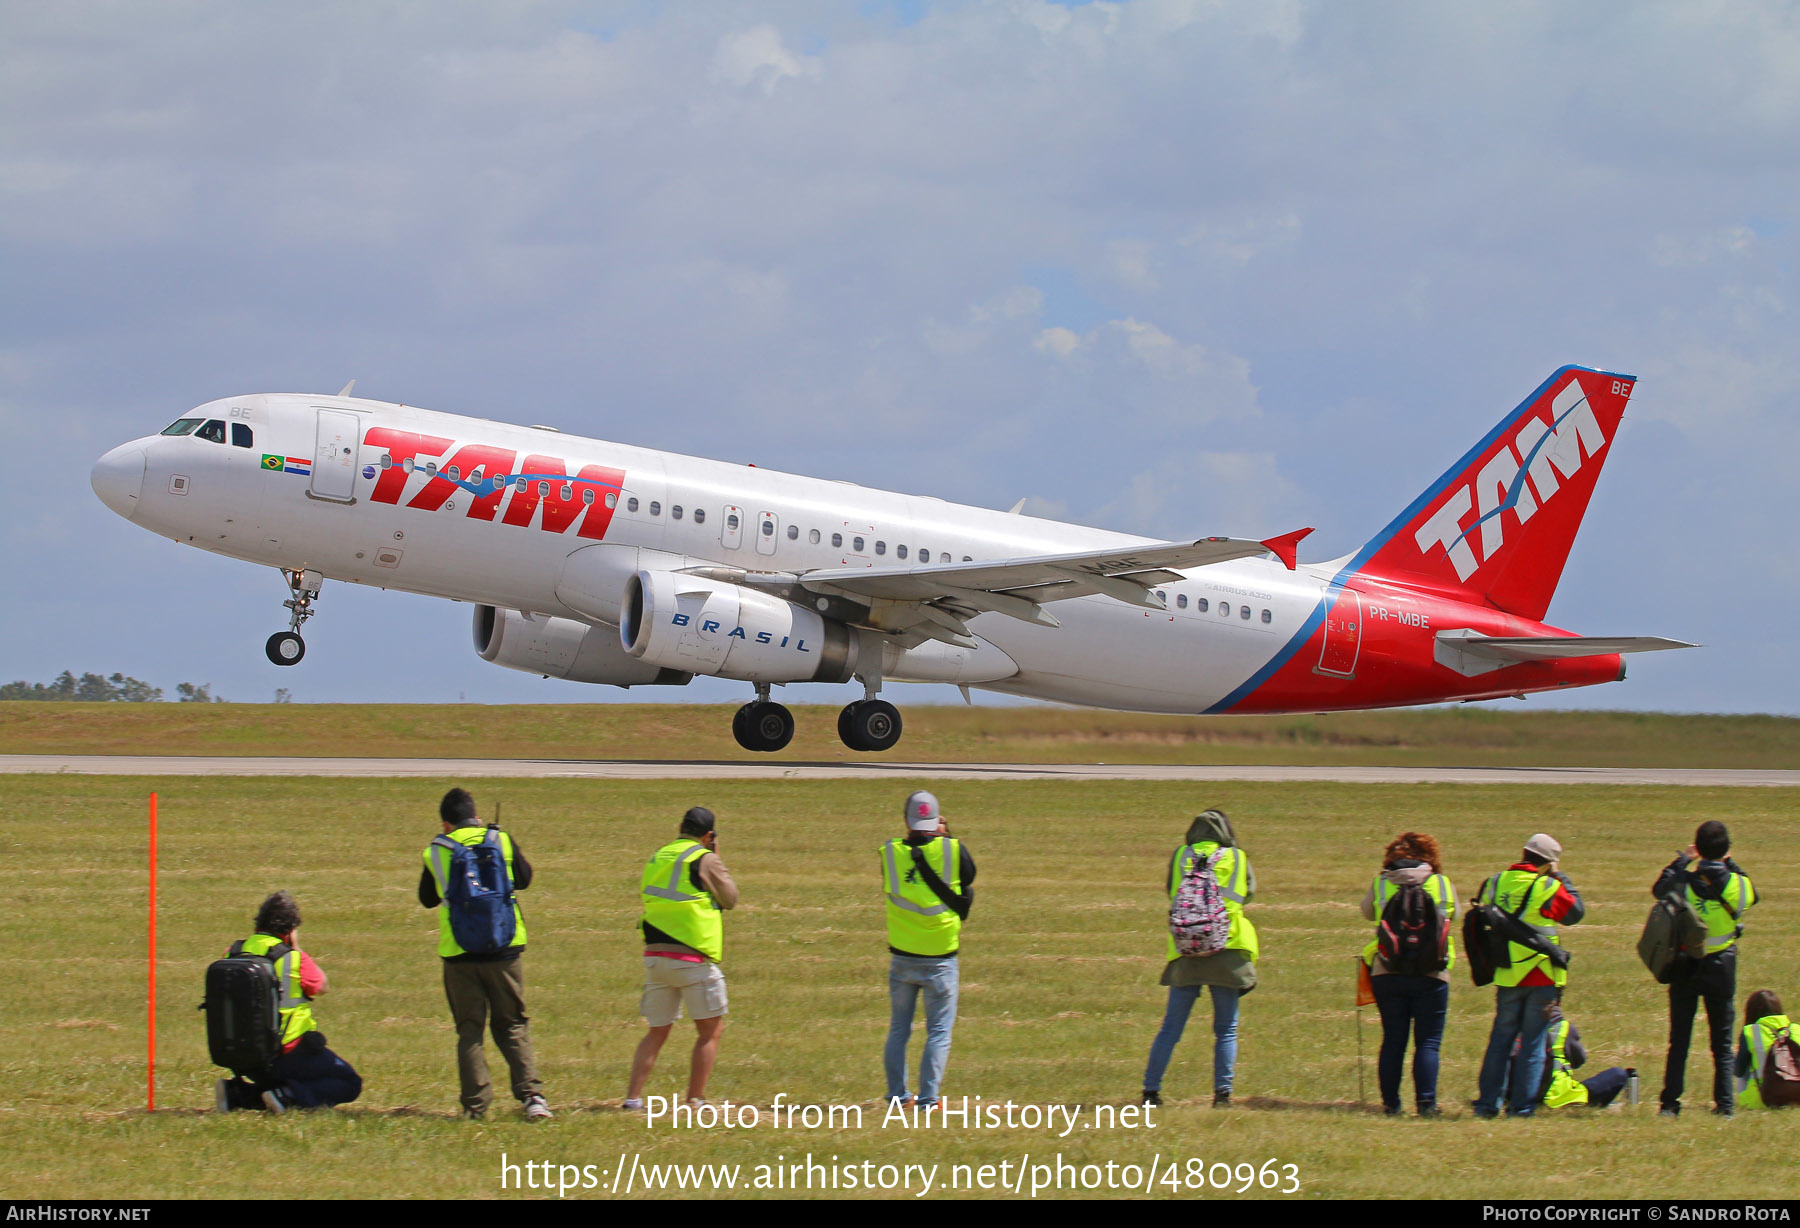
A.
x: 1501, y: 521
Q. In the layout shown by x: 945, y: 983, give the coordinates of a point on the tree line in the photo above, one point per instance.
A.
x: 95, y: 688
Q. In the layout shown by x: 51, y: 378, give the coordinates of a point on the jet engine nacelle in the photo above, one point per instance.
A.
x: 713, y: 627
x: 563, y: 648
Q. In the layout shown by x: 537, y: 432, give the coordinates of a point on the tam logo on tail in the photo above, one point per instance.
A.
x: 1501, y: 522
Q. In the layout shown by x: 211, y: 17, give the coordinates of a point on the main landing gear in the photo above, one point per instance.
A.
x: 868, y: 725
x: 763, y: 724
x: 286, y: 647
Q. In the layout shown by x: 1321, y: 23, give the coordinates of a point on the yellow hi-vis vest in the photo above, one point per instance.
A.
x: 1722, y: 928
x: 1564, y: 1088
x: 1759, y: 1037
x: 673, y: 906
x: 1233, y: 872
x: 917, y: 921
x: 1438, y: 888
x: 437, y: 860
x: 296, y: 1008
x: 1504, y: 890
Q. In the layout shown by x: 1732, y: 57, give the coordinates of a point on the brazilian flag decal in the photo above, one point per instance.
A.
x: 272, y: 462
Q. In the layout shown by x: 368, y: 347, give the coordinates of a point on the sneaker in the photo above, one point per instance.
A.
x: 537, y: 1108
x: 1221, y: 1100
x: 1390, y: 1110
x: 1481, y: 1113
x: 276, y: 1102
x: 1150, y: 1098
x: 1430, y: 1110
x: 1670, y: 1110
x: 1723, y: 1110
x: 222, y: 1096
x: 696, y: 1102
x: 632, y: 1104
x: 474, y: 1114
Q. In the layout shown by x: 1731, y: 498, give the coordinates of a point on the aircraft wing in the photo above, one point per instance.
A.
x: 1469, y: 652
x: 934, y: 601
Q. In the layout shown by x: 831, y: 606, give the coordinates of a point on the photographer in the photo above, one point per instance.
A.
x: 1543, y: 898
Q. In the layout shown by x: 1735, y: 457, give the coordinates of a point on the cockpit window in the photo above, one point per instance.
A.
x: 181, y: 426
x: 241, y: 436
x: 213, y: 430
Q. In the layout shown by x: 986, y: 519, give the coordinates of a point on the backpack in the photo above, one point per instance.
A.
x: 1780, y: 1081
x: 243, y: 1010
x: 1489, y: 932
x: 1197, y: 918
x: 1413, y: 935
x: 1673, y: 937
x: 478, y: 891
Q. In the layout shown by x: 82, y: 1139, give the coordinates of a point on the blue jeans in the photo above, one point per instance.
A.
x: 312, y: 1075
x: 908, y: 975
x: 1518, y: 1015
x: 1225, y: 1021
x: 1416, y: 1005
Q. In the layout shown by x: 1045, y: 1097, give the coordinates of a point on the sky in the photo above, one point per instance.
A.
x: 1174, y: 268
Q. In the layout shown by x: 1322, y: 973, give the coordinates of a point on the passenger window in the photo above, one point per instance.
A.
x: 1200, y: 604
x: 387, y: 460
x: 543, y: 487
x: 1268, y: 617
x: 181, y: 426
x: 900, y: 552
x: 612, y: 498
x: 1181, y: 601
x: 812, y: 537
x: 1224, y: 609
x: 731, y: 521
x: 431, y: 469
x: 453, y: 473
x: 856, y: 545
x: 769, y: 528
x: 655, y: 508
x: 241, y: 436
x: 631, y: 504
x: 967, y: 559
x: 699, y: 515
x: 587, y: 496
x: 837, y: 540
x: 1244, y: 612
x: 408, y: 465
x: 675, y: 511
x: 213, y: 430
x: 793, y: 532
x: 880, y: 547
x: 1161, y: 596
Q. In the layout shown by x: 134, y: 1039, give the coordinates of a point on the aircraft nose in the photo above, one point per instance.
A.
x: 117, y: 478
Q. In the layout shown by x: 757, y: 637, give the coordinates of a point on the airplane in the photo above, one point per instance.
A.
x: 607, y: 563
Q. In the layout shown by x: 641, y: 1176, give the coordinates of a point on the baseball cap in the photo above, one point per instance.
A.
x: 922, y: 812
x: 1543, y: 846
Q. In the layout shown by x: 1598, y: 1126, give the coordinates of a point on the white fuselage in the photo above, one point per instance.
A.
x: 338, y: 504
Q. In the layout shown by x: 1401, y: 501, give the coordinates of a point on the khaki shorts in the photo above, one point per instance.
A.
x: 670, y: 985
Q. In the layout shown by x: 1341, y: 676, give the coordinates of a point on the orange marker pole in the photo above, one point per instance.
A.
x: 150, y: 1072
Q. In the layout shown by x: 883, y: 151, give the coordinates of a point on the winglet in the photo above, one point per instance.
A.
x: 1285, y: 547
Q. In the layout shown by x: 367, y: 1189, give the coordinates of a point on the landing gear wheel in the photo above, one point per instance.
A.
x: 285, y: 648
x: 869, y: 725
x: 763, y: 726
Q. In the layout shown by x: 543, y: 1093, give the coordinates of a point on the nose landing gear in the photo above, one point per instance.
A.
x: 762, y: 724
x: 286, y: 647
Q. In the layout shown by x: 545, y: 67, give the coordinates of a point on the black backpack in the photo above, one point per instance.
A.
x: 243, y: 1010
x: 1413, y: 935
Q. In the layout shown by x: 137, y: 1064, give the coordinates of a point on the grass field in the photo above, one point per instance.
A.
x: 1059, y: 999
x: 1474, y: 736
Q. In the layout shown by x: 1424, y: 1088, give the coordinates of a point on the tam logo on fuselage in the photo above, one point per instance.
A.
x: 1544, y: 450
x: 492, y: 476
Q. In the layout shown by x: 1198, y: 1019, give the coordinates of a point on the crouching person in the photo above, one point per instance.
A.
x: 1767, y: 1029
x: 305, y: 1074
x: 1563, y: 1055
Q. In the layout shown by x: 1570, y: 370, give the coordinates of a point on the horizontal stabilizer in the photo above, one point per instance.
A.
x: 1470, y: 653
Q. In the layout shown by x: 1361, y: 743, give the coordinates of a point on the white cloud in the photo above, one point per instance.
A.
x: 758, y: 57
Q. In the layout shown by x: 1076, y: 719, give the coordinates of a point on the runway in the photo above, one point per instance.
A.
x: 657, y: 769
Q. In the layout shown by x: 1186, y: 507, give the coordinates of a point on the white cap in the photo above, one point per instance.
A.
x: 922, y: 812
x: 1543, y: 846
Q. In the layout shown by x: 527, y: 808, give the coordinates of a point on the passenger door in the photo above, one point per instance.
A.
x: 334, y: 456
